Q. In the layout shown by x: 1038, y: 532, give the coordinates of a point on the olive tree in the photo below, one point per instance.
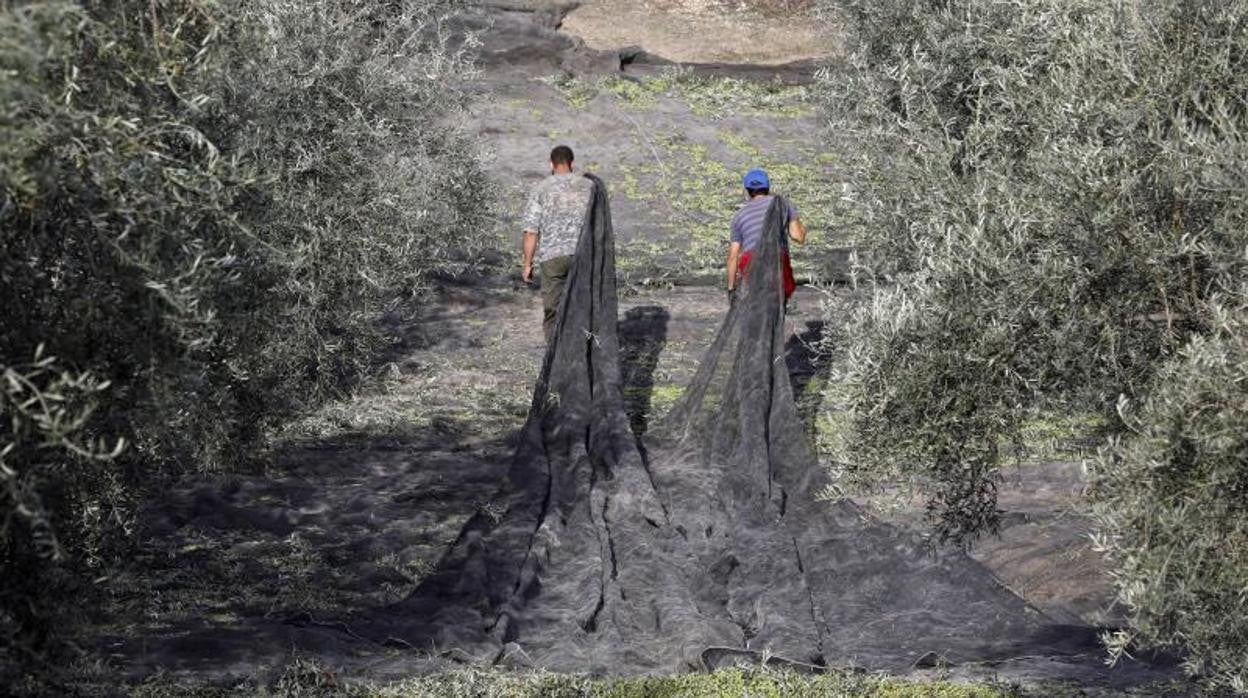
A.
x: 1051, y: 198
x: 205, y: 207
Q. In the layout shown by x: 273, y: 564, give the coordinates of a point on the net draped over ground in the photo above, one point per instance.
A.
x: 705, y: 544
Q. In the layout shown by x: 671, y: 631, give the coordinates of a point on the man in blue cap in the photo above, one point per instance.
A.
x: 747, y: 230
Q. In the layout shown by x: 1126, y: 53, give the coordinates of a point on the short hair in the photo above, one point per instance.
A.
x: 561, y: 155
x: 755, y: 192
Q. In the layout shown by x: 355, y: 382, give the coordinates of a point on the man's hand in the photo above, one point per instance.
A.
x: 526, y: 256
x: 797, y: 231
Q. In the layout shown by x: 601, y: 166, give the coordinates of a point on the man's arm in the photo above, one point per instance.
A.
x: 797, y: 231
x: 532, y: 222
x: 530, y: 248
x: 734, y: 258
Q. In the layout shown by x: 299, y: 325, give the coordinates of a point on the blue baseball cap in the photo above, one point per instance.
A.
x: 757, y: 179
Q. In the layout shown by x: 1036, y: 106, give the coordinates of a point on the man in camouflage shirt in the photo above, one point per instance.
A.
x: 552, y: 227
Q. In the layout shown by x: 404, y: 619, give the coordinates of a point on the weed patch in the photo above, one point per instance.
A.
x: 707, y: 97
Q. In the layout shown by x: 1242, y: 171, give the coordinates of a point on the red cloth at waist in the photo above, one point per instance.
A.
x: 786, y: 269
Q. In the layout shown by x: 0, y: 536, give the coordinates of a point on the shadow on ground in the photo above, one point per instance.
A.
x: 242, y: 577
x: 809, y: 365
x: 643, y: 336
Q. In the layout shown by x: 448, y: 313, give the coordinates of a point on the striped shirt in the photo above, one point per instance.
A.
x: 747, y: 225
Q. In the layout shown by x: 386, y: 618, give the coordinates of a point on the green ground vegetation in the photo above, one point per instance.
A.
x: 307, y: 678
x: 707, y: 97
x: 702, y: 190
x: 696, y: 182
x: 304, y: 678
x: 488, y: 388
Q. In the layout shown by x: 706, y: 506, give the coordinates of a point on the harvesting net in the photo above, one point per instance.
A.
x: 711, y: 548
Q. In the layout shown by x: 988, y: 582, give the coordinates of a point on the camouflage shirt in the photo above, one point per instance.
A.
x: 555, y: 211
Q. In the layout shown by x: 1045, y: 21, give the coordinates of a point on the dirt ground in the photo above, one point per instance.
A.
x: 708, y: 31
x: 239, y: 575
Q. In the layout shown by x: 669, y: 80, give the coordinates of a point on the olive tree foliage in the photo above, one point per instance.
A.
x: 205, y: 206
x: 49, y: 470
x: 1171, y: 496
x: 1051, y: 195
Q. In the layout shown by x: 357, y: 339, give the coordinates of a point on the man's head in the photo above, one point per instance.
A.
x: 561, y: 159
x: 757, y: 183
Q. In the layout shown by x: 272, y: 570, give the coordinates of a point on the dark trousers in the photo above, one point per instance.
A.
x: 554, y: 279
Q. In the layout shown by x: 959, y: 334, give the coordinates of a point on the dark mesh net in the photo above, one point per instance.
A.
x: 711, y: 549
